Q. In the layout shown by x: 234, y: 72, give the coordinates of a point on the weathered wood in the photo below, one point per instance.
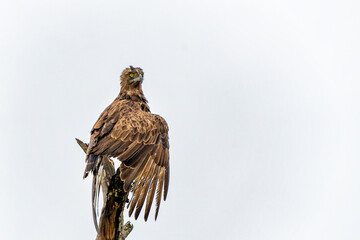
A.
x: 111, y: 224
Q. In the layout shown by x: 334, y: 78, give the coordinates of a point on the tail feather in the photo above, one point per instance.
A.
x: 97, y: 178
x: 90, y: 164
x: 93, y: 164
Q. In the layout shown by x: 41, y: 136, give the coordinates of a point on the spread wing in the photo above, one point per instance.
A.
x: 139, y: 140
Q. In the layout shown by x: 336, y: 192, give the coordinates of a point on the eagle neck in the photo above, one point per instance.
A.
x: 135, y: 94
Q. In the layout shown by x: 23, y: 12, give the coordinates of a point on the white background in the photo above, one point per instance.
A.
x: 261, y: 97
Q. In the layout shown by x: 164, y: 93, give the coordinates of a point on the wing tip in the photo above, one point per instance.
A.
x: 156, y: 214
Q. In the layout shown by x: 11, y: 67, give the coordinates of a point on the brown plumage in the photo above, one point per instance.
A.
x: 139, y: 139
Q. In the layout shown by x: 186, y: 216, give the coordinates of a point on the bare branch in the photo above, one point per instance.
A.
x: 111, y: 224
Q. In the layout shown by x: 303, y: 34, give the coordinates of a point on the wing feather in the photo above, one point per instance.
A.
x: 139, y: 140
x: 128, y: 174
x: 121, y: 147
x: 158, y: 192
x: 145, y: 182
x: 135, y: 197
x: 167, y: 173
x: 151, y: 192
x: 137, y: 189
x: 103, y: 145
x: 133, y: 148
x: 140, y: 156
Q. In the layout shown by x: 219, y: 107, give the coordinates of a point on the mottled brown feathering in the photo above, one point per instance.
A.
x: 128, y: 131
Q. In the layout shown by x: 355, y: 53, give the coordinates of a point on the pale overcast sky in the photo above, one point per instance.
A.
x: 261, y: 97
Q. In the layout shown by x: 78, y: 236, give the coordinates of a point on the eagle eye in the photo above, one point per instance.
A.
x: 131, y: 74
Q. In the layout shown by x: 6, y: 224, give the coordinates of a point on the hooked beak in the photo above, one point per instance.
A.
x: 139, y: 79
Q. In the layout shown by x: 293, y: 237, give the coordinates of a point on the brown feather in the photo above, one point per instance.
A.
x: 121, y: 147
x: 139, y: 184
x: 108, y: 146
x: 107, y: 127
x: 138, y: 157
x: 134, y: 200
x: 130, y: 151
x: 158, y: 192
x: 125, y: 173
x: 167, y: 173
x: 146, y: 184
x: 158, y: 152
x: 151, y: 193
x: 139, y: 139
x: 147, y: 137
x: 91, y: 161
x: 103, y: 145
x: 136, y: 173
x: 123, y: 135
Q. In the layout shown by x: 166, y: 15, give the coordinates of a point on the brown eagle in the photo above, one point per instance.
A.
x: 127, y: 130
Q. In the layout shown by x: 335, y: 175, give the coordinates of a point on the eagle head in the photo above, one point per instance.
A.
x: 132, y: 77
